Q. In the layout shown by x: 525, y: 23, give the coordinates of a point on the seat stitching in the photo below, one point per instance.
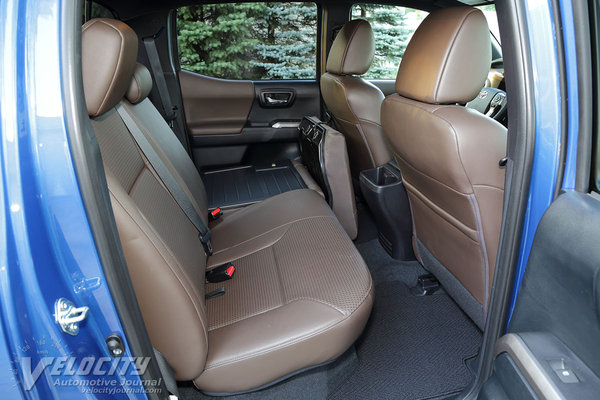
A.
x: 484, y: 255
x: 271, y: 230
x: 488, y: 186
x: 168, y: 250
x: 447, y: 56
x: 293, y: 341
x: 425, y: 201
x: 347, y: 47
x: 110, y: 86
x: 279, y: 277
x: 357, y: 118
x: 430, y: 177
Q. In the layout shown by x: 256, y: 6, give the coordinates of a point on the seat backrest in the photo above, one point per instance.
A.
x: 164, y: 255
x: 355, y: 104
x: 449, y: 154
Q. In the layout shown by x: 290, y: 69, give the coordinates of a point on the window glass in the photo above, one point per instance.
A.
x: 99, y: 11
x: 249, y: 40
x: 393, y: 26
x: 492, y: 19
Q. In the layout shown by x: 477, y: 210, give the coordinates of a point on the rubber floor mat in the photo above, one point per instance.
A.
x: 413, y: 348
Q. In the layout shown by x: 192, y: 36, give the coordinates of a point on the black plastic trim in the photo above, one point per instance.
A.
x: 560, y: 293
x: 249, y: 135
x: 521, y: 138
x: 595, y: 27
x: 564, y: 97
x: 586, y: 97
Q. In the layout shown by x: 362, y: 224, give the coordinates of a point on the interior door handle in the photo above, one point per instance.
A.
x: 277, y: 97
x: 271, y: 100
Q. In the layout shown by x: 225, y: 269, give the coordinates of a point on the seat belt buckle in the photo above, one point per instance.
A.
x: 221, y: 273
x: 206, y: 243
x: 215, y: 214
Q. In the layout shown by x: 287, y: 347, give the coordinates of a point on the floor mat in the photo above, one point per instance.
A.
x: 313, y: 384
x: 413, y: 347
x: 250, y: 184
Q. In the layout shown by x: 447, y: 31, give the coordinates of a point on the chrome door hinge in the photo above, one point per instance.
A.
x: 68, y: 316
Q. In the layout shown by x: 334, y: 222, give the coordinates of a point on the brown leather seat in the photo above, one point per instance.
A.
x: 355, y: 104
x: 301, y: 294
x: 449, y: 154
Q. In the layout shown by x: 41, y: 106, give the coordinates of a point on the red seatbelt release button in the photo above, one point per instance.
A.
x: 221, y: 273
x: 215, y: 214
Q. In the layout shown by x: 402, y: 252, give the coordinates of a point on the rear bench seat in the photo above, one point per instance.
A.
x: 301, y: 294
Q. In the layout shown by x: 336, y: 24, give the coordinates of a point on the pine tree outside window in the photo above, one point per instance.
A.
x: 250, y: 41
x: 393, y: 26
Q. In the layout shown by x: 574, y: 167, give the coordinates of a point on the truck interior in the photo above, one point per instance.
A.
x: 342, y: 224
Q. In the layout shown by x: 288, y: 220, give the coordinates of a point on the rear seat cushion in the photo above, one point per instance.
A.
x: 307, y: 178
x: 259, y: 225
x: 300, y: 299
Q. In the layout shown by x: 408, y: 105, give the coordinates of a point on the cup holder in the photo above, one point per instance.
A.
x: 380, y: 176
x: 386, y: 197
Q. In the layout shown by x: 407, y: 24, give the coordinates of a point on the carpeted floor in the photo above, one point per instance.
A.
x: 413, y: 347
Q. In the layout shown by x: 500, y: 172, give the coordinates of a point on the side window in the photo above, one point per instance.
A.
x: 393, y: 27
x: 95, y: 10
x: 99, y: 11
x: 492, y: 19
x: 253, y: 41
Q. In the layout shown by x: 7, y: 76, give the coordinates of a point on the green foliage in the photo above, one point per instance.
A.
x: 393, y: 27
x: 270, y: 40
x: 249, y: 40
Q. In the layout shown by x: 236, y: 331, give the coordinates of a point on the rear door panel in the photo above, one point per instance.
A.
x: 553, y: 338
x: 232, y: 122
x: 215, y: 106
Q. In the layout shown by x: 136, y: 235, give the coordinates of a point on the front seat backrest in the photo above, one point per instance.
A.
x: 355, y: 104
x: 449, y: 154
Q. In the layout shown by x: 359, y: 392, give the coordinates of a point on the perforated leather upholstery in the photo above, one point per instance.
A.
x: 449, y: 154
x: 301, y: 294
x: 355, y: 104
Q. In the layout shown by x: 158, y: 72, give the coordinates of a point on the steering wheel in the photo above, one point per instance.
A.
x: 491, y: 102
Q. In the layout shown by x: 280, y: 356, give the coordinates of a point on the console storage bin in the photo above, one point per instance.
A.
x: 386, y: 197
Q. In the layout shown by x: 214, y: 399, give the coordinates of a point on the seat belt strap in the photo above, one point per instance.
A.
x: 170, y: 111
x: 167, y: 178
x: 167, y: 374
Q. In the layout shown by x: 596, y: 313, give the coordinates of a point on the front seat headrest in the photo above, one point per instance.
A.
x: 448, y: 57
x: 352, y: 50
x: 108, y: 53
x: 140, y: 84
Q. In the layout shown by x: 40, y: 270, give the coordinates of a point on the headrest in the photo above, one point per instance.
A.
x: 352, y: 50
x: 140, y: 84
x: 448, y: 57
x: 108, y: 52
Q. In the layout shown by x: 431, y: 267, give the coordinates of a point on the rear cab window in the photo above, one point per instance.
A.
x: 249, y: 41
x: 489, y: 11
x: 94, y: 10
x: 393, y: 26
